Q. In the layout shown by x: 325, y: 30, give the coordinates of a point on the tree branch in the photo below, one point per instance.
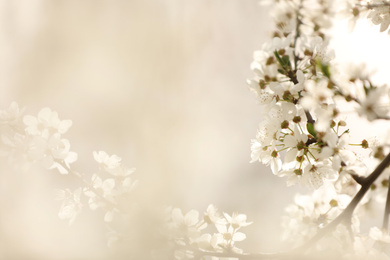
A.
x: 347, y: 213
x: 387, y: 209
x: 358, y: 179
x: 372, y: 6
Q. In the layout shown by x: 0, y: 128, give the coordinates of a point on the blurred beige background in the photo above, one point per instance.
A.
x: 161, y: 83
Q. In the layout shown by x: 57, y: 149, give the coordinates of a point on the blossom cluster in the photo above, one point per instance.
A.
x: 188, y: 234
x: 380, y: 15
x: 304, y: 135
x: 108, y: 193
x: 293, y: 83
x: 377, y: 11
x: 31, y: 139
x: 303, y: 98
x: 38, y: 138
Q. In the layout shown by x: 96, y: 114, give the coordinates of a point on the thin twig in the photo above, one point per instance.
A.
x: 309, y: 117
x: 297, y: 34
x: 372, y: 6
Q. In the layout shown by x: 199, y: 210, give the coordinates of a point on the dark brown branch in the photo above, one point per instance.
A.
x: 387, y: 209
x: 372, y: 6
x: 358, y: 179
x: 383, y: 117
x: 347, y: 213
x: 297, y: 35
x: 309, y: 118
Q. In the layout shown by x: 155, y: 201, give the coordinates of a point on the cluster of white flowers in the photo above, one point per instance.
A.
x: 293, y: 82
x: 304, y: 134
x: 12, y: 131
x: 110, y: 193
x: 380, y: 13
x: 37, y: 138
x: 189, y: 236
x: 47, y: 145
x: 109, y: 190
x: 30, y: 139
x: 377, y: 11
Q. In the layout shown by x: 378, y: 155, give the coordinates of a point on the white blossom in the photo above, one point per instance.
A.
x: 46, y: 123
x: 71, y: 204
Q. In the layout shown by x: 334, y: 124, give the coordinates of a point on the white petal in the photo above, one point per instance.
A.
x: 239, y: 236
x: 45, y: 114
x: 108, y: 184
x: 221, y: 228
x: 290, y: 141
x: 300, y: 76
x: 191, y: 218
x: 331, y: 138
x: 326, y: 152
x: 290, y: 155
x: 71, y: 158
x: 47, y: 162
x: 276, y: 165
x: 177, y: 216
x: 96, y: 181
x: 60, y: 168
x: 109, y: 216
x: 385, y: 25
x: 316, y: 180
x: 347, y: 156
x: 64, y: 126
x: 100, y: 156
x: 30, y: 120
x: 67, y: 211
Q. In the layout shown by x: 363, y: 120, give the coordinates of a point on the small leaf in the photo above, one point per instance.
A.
x: 286, y: 61
x: 325, y: 69
x: 311, y: 130
x: 277, y: 56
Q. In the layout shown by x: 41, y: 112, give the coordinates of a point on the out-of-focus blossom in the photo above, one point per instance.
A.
x: 71, y: 204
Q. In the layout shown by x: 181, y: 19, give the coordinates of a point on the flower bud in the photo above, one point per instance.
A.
x: 298, y: 172
x: 284, y: 124
x: 342, y: 123
x: 296, y: 119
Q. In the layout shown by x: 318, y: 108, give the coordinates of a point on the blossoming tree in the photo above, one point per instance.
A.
x: 304, y: 137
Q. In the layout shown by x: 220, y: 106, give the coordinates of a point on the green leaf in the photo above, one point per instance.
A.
x: 325, y: 69
x: 277, y: 56
x: 310, y: 128
x: 286, y: 61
